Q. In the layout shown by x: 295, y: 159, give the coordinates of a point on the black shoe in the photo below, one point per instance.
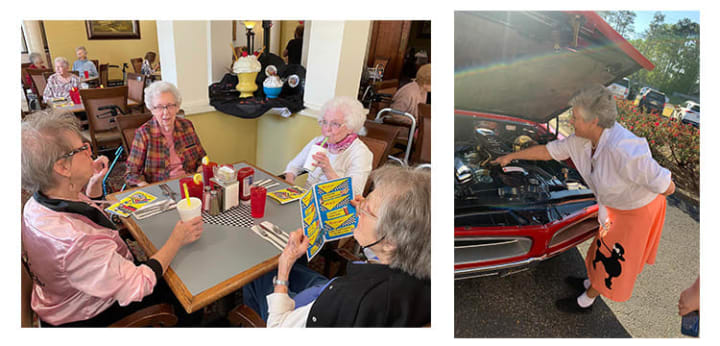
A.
x: 570, y: 305
x: 576, y: 283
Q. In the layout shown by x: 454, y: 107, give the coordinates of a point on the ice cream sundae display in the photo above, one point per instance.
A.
x: 246, y: 67
x: 272, y: 86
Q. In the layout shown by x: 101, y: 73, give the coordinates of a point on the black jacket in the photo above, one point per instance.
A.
x: 372, y: 295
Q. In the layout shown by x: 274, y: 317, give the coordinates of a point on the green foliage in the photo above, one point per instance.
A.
x: 674, y: 49
x: 674, y: 145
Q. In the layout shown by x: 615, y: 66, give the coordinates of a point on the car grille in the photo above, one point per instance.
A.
x: 483, y: 249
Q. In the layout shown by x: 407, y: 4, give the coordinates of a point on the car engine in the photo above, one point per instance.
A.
x: 520, y: 182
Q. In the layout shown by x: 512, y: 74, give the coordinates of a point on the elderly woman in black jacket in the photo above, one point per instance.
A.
x: 392, y: 289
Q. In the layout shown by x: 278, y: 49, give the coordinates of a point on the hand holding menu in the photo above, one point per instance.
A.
x: 327, y: 213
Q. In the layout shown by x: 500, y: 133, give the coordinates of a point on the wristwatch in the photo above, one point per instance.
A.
x: 275, y: 281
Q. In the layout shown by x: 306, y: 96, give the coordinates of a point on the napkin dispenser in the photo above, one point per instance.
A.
x: 230, y: 193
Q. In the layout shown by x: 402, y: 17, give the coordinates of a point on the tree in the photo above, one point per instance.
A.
x: 675, y: 51
x: 622, y: 21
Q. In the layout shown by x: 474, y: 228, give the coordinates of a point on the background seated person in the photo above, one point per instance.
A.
x: 149, y: 65
x: 165, y: 147
x: 340, y: 120
x: 407, y: 98
x: 61, y: 82
x: 83, y: 273
x: 391, y: 291
x: 293, y: 50
x: 82, y: 64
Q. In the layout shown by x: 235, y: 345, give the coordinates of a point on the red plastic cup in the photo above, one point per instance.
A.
x: 195, y: 190
x: 87, y: 74
x: 208, y: 172
x: 257, y: 201
x: 75, y: 96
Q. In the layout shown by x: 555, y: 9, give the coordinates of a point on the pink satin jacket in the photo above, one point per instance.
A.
x: 79, y: 268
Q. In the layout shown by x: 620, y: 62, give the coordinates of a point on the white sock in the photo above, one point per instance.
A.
x: 586, y: 283
x: 584, y: 301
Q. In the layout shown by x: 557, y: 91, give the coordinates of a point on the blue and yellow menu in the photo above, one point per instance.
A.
x: 327, y: 213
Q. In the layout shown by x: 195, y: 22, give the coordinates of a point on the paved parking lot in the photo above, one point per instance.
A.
x: 522, y: 305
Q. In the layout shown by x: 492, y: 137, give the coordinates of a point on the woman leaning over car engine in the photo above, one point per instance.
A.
x: 630, y: 187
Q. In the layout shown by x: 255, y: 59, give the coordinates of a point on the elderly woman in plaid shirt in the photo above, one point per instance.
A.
x: 165, y: 147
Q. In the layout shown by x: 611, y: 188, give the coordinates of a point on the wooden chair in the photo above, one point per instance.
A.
x: 40, y: 82
x: 103, y: 74
x: 127, y: 125
x: 136, y: 89
x: 103, y: 130
x: 384, y: 132
x: 137, y: 64
x: 421, y: 151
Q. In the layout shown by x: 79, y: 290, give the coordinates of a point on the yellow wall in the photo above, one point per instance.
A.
x: 280, y: 139
x: 225, y: 138
x: 64, y: 36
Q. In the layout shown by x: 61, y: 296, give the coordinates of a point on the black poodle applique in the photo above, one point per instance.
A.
x: 612, y: 264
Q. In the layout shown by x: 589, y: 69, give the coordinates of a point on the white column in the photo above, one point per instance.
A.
x: 334, y: 59
x: 184, y: 47
x: 33, y: 36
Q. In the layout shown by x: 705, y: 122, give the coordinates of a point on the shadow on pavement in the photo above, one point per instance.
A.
x: 686, y: 204
x: 523, y: 305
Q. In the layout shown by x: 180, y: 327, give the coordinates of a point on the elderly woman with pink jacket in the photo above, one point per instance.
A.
x: 83, y: 272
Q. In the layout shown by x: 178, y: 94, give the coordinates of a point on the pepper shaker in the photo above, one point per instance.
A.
x: 214, y: 203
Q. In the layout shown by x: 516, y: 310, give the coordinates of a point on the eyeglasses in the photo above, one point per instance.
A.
x: 85, y: 147
x: 332, y: 124
x: 363, y: 209
x: 170, y: 108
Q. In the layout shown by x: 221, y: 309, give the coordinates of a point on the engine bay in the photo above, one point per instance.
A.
x: 479, y: 141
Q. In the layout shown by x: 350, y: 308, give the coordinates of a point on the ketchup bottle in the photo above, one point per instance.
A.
x: 245, y: 178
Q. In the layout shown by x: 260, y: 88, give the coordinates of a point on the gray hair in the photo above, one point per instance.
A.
x: 404, y: 217
x: 34, y: 56
x: 596, y: 102
x: 351, y: 109
x: 44, y: 141
x: 81, y: 48
x: 62, y: 60
x: 160, y: 87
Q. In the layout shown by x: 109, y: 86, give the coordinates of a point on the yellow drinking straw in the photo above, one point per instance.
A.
x: 233, y: 50
x: 187, y: 196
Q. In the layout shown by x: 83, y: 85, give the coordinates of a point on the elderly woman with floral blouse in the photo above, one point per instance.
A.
x: 61, y: 82
x: 165, y: 147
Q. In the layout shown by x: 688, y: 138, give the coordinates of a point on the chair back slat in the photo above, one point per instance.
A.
x: 39, y: 79
x: 128, y: 124
x: 136, y: 87
x: 136, y: 64
x: 377, y: 147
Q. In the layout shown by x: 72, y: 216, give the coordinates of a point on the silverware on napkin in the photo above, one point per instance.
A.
x: 264, y: 235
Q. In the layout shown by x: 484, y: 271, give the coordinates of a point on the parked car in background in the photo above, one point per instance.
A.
x: 514, y: 74
x: 651, y: 100
x: 688, y: 112
x: 620, y: 88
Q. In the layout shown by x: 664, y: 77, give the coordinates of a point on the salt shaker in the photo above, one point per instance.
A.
x: 206, y: 199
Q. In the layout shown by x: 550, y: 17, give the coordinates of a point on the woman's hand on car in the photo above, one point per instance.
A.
x: 502, y: 160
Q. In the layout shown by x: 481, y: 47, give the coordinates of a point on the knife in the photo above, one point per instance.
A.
x: 272, y: 234
x: 254, y: 229
x: 275, y: 229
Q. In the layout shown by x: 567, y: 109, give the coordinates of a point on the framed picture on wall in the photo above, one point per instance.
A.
x: 112, y: 29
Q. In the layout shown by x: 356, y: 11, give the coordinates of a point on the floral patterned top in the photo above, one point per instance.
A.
x: 56, y: 87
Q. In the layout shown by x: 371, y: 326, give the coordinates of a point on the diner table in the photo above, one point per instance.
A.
x: 77, y: 108
x: 226, y: 257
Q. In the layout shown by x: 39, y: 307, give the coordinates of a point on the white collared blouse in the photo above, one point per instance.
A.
x: 622, y: 172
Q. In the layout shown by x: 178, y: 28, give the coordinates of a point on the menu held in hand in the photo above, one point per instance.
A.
x: 327, y: 213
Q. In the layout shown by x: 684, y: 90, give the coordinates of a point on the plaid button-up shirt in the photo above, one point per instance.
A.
x: 149, y: 156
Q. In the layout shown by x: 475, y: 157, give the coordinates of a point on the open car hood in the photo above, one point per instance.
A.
x: 529, y: 64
